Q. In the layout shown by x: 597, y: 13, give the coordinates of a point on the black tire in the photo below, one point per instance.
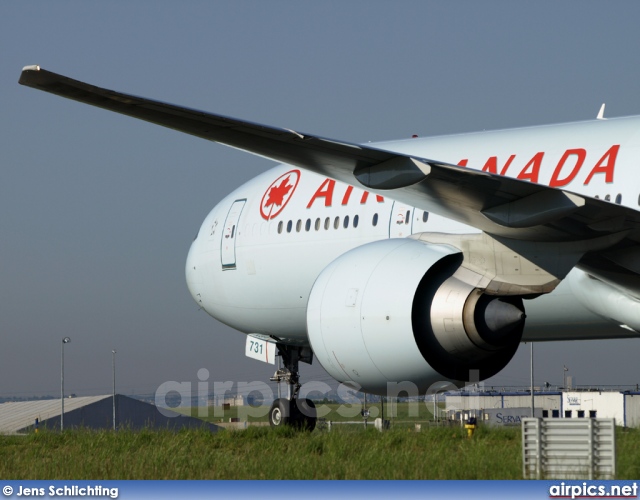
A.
x: 280, y: 413
x: 306, y: 414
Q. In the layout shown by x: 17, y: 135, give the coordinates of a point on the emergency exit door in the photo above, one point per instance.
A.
x: 401, y: 222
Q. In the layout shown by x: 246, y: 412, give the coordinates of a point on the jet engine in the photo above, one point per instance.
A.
x: 396, y: 311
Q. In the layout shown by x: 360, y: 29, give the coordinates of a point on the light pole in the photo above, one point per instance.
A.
x: 65, y: 340
x: 564, y: 377
x: 113, y: 352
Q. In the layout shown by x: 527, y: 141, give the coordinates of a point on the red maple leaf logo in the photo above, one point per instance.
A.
x: 277, y: 193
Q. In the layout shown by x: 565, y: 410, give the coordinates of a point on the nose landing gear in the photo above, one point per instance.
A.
x: 291, y: 410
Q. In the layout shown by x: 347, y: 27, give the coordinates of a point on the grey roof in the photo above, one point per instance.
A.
x: 15, y: 416
x: 93, y: 412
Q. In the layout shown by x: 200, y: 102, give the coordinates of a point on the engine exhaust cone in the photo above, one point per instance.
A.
x: 499, y: 320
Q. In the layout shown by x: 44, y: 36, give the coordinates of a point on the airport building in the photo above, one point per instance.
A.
x: 93, y: 412
x: 508, y: 408
x: 225, y: 401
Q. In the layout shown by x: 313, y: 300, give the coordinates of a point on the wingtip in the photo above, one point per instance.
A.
x: 32, y: 75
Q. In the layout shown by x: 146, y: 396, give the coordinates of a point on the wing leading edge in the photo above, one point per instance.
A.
x: 500, y: 206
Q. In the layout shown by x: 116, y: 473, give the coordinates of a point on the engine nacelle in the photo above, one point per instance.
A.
x: 393, y: 311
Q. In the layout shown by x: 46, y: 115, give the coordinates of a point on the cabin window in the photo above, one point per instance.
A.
x: 618, y: 198
x: 317, y: 223
x: 289, y: 226
x: 307, y: 225
x: 299, y: 225
x: 346, y: 222
x: 280, y: 226
x: 327, y: 223
x: 607, y: 198
x: 356, y: 219
x: 408, y: 217
x: 425, y: 216
x: 336, y: 223
x: 375, y: 220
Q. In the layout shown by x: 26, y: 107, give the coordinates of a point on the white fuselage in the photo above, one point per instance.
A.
x: 260, y: 250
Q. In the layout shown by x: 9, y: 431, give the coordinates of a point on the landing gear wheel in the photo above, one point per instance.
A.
x: 291, y: 411
x: 306, y: 415
x: 280, y: 413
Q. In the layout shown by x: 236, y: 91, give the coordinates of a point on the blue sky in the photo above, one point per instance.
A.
x: 99, y: 210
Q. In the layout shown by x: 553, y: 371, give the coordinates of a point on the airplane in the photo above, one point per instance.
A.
x: 413, y: 261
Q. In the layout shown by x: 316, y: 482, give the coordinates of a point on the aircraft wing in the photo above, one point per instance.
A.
x: 500, y: 206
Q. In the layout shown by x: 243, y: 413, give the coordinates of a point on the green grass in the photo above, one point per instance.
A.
x: 261, y: 453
